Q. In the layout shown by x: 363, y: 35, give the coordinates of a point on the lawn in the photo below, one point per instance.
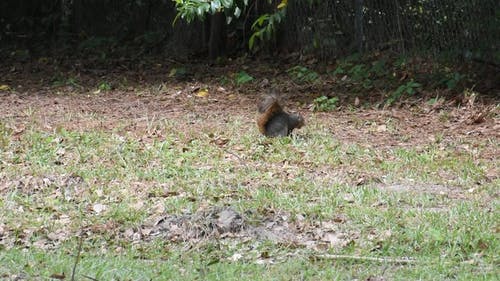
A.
x: 160, y: 182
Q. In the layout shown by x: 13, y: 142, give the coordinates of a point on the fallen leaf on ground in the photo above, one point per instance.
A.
x: 202, y: 93
x: 59, y: 276
x: 4, y: 87
x: 99, y: 208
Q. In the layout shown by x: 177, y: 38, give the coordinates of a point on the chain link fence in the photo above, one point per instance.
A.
x: 454, y: 28
x: 329, y: 28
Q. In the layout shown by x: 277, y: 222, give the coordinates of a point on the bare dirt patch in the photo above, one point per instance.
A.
x: 452, y: 192
x: 226, y: 223
x: 407, y: 127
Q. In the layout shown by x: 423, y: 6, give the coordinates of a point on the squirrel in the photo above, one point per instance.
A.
x: 273, y: 121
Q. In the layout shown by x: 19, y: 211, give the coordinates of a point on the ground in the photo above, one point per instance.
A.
x: 166, y: 177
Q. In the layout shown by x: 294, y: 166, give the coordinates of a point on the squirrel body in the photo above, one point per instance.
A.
x: 273, y: 121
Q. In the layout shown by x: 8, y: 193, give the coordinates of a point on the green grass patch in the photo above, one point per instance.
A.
x: 106, y: 187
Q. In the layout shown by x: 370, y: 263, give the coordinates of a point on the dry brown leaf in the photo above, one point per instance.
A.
x: 41, y: 243
x: 340, y: 219
x: 138, y: 205
x: 99, y: 208
x: 129, y: 232
x: 382, y: 128
x: 334, y: 239
x: 236, y: 257
x: 59, y: 276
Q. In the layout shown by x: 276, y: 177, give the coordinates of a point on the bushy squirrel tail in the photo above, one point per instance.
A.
x: 268, y: 107
x: 269, y: 103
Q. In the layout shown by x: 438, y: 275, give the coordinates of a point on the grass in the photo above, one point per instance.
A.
x: 104, y: 185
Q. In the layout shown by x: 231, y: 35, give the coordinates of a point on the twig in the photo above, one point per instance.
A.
x: 237, y: 156
x: 77, y: 258
x: 361, y: 258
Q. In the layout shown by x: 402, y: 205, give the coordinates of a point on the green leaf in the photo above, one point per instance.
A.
x: 282, y: 5
x: 242, y: 77
x: 227, y: 3
x: 302, y: 74
x: 214, y: 6
x: 199, y: 11
x: 251, y: 41
x: 237, y: 12
x: 339, y: 70
x: 260, y: 21
x: 324, y: 103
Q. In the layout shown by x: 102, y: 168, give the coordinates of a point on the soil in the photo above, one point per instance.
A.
x: 32, y: 94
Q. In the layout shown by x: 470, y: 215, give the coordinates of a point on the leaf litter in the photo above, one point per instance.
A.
x: 226, y: 223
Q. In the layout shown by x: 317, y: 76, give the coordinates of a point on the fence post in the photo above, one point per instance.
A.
x: 358, y: 24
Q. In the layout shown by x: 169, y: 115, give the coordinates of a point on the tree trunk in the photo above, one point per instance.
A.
x: 217, y: 40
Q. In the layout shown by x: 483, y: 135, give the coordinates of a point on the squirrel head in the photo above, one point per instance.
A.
x: 298, y: 119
